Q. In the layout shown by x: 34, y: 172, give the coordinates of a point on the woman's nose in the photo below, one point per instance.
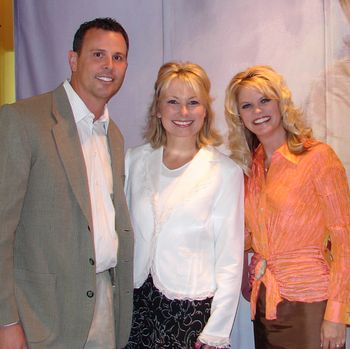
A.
x: 257, y: 109
x: 184, y: 110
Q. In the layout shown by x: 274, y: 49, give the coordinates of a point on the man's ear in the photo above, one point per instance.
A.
x: 73, y: 60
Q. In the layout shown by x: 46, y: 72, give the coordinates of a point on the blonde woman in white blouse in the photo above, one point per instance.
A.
x: 186, y: 205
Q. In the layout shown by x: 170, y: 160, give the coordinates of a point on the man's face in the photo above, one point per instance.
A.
x: 98, y: 71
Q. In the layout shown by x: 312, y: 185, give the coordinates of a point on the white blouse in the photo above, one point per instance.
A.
x: 191, y: 243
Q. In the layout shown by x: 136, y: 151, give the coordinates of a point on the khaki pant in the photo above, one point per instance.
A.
x: 102, y: 331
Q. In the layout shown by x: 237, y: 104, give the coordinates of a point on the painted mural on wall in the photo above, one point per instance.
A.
x: 328, y: 106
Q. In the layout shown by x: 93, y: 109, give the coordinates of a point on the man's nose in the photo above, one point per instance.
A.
x: 107, y: 63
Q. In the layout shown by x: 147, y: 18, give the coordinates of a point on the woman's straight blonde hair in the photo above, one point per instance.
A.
x: 196, y: 78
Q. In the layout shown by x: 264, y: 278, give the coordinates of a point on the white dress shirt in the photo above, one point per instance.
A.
x: 190, y: 238
x: 93, y: 139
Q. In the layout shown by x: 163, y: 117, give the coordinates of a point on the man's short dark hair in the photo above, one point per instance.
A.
x: 107, y: 23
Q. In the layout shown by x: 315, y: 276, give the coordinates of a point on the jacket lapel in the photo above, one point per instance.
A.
x: 153, y: 167
x: 66, y: 136
x: 116, y: 149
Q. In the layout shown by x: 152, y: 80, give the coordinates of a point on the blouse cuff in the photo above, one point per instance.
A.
x: 337, y: 312
x: 218, y: 342
x: 11, y: 324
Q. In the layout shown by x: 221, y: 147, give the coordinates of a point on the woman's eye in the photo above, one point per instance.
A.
x: 265, y: 100
x: 194, y: 102
x: 172, y: 101
x: 245, y: 106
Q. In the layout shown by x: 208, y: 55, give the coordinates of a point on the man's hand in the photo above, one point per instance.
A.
x: 12, y: 337
x: 332, y: 335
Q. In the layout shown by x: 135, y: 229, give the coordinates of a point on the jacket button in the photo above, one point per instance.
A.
x: 90, y: 294
x: 91, y: 261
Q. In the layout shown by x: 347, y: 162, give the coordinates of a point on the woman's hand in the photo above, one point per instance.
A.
x: 12, y: 337
x: 332, y: 335
x: 200, y: 345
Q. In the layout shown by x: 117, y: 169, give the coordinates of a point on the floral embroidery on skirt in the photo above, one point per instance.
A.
x: 159, y: 322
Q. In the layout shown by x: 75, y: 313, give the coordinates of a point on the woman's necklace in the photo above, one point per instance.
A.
x: 266, y: 166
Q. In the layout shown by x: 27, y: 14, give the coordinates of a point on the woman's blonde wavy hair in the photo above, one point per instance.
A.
x: 196, y: 78
x: 242, y: 142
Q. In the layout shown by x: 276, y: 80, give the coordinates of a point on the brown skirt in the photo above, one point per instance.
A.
x: 298, y: 325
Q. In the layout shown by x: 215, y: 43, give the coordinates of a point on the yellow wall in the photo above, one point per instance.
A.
x: 7, y: 56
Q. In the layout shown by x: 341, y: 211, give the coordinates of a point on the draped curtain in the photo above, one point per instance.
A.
x: 306, y: 41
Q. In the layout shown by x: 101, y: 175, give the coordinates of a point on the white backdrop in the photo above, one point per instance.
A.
x: 301, y: 39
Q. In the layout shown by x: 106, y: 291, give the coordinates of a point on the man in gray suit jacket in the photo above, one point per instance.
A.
x: 66, y: 241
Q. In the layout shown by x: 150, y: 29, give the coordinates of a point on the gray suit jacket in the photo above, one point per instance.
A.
x: 46, y: 233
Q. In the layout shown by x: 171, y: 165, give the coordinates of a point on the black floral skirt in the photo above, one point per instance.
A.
x: 159, y: 322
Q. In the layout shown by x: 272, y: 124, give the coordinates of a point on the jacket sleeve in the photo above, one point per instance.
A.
x: 15, y: 162
x: 333, y: 191
x: 228, y: 224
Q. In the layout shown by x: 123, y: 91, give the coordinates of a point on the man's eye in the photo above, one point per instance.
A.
x: 98, y: 54
x: 119, y: 58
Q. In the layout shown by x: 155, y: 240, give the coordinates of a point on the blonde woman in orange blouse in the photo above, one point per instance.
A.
x: 297, y: 217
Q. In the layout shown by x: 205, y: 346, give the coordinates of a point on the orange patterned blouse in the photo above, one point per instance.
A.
x: 291, y: 214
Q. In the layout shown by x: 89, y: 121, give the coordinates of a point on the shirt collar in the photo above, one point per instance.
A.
x: 80, y: 110
x: 282, y: 150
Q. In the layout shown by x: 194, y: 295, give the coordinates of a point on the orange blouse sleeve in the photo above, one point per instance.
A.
x: 332, y: 187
